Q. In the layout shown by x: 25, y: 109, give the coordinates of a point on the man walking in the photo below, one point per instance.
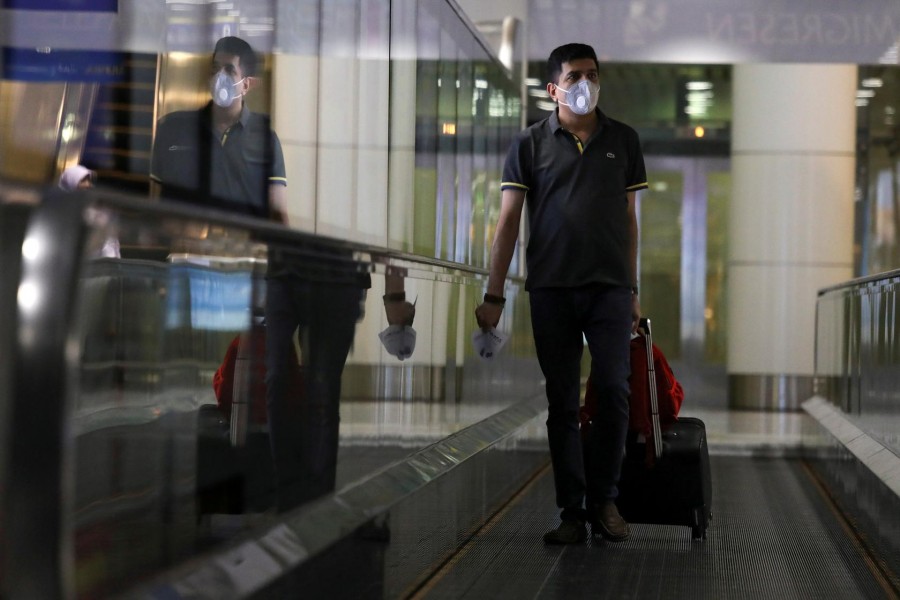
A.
x: 579, y: 172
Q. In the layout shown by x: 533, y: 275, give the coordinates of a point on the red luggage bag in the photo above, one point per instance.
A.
x: 666, y: 475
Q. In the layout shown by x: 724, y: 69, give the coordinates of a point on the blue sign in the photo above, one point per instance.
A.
x: 64, y: 5
x: 96, y: 66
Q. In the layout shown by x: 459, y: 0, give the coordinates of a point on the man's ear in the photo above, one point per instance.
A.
x: 552, y: 90
x: 249, y: 83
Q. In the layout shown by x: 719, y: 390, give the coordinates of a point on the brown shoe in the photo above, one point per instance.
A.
x: 607, y: 522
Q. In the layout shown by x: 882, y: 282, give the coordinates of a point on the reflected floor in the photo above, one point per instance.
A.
x: 731, y: 432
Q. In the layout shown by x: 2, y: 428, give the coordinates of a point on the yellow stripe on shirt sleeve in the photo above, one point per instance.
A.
x: 281, y: 180
x: 509, y: 184
x: 637, y: 186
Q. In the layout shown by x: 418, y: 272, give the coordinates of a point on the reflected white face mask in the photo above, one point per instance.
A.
x: 399, y: 340
x: 223, y: 89
x: 582, y: 97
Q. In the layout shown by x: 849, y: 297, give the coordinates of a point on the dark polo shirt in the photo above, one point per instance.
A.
x: 577, y: 201
x: 232, y: 173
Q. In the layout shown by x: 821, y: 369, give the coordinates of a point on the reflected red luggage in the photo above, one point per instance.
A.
x: 245, y: 364
x: 666, y: 476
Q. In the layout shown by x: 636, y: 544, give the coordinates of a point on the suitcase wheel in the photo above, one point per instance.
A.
x: 701, y: 520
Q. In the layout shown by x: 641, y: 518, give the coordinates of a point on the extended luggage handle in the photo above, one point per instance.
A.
x: 644, y: 324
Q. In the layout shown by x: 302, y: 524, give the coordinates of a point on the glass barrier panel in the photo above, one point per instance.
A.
x: 231, y: 373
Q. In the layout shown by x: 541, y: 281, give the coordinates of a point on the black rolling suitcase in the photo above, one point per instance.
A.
x: 676, y: 489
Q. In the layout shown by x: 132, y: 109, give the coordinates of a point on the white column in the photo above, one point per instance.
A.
x: 295, y: 112
x: 790, y: 224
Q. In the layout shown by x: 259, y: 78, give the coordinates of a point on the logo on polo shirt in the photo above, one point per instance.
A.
x: 175, y: 148
x: 610, y: 155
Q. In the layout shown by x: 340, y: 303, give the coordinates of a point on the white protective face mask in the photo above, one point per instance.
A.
x: 399, y: 340
x: 582, y: 97
x: 222, y: 89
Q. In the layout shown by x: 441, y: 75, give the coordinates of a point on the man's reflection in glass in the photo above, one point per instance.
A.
x: 223, y: 155
x: 317, y: 293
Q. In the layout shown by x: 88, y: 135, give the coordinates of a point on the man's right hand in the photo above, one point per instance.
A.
x: 488, y: 315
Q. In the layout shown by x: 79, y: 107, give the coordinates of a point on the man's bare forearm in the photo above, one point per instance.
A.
x: 504, y: 245
x: 501, y: 256
x: 633, y: 237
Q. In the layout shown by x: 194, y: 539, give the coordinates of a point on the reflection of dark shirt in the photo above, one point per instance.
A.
x: 232, y: 173
x: 577, y: 201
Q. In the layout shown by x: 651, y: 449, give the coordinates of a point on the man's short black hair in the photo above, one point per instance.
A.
x: 567, y: 53
x: 238, y: 47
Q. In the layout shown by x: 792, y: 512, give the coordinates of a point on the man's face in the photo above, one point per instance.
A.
x: 572, y: 73
x: 231, y: 65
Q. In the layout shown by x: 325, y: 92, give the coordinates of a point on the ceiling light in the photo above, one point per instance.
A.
x: 700, y: 97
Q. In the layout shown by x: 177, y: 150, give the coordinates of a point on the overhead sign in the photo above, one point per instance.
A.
x: 27, y: 64
x: 143, y: 26
x: 723, y: 31
x: 63, y: 5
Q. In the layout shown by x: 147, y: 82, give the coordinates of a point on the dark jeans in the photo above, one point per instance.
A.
x: 304, y: 431
x: 559, y: 317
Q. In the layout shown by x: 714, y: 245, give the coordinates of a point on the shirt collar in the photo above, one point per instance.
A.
x: 555, y: 125
x: 245, y: 114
